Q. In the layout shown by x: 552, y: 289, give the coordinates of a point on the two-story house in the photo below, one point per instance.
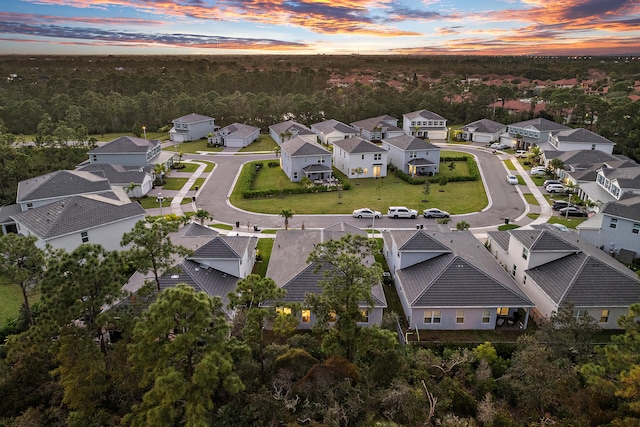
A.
x: 425, y: 124
x: 484, y: 131
x: 534, y: 132
x: 332, y: 130
x: 378, y: 128
x: 281, y: 132
x: 413, y: 155
x: 618, y: 181
x: 192, y: 127
x: 448, y: 280
x: 123, y: 176
x: 131, y: 152
x: 358, y: 158
x: 300, y: 158
x: 236, y: 135
x: 288, y: 267
x: 558, y: 268
x: 579, y: 139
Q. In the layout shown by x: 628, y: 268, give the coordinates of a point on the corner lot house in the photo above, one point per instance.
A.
x: 131, y: 151
x: 300, y: 158
x: 67, y: 223
x: 413, y: 155
x: 555, y: 268
x: 332, y: 130
x: 484, y: 131
x: 425, y: 124
x: 448, y: 280
x: 359, y: 158
x: 284, y: 131
x: 378, y: 128
x: 236, y: 135
x: 579, y: 139
x: 524, y: 135
x: 289, y: 269
x: 616, y: 228
x: 192, y: 127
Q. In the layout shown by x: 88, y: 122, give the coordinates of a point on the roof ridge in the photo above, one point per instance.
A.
x: 226, y: 244
x: 426, y: 288
x: 572, y: 282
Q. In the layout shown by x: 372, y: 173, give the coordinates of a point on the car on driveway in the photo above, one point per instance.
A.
x: 366, y: 213
x: 401, y: 212
x: 512, y: 179
x: 521, y: 153
x: 573, y: 211
x: 561, y: 227
x: 500, y: 146
x: 539, y: 170
x: 435, y: 213
x: 555, y: 188
x: 550, y: 181
x: 560, y: 204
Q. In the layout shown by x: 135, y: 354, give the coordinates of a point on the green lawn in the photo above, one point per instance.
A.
x: 379, y: 194
x: 533, y: 215
x: 505, y: 227
x: 264, y: 248
x: 520, y: 180
x: 530, y: 198
x: 152, y: 202
x: 222, y: 226
x: 263, y: 143
x: 174, y: 183
x: 198, y: 183
x: 570, y: 222
x: 188, y: 167
x: 509, y: 164
x: 10, y: 300
x: 193, y: 147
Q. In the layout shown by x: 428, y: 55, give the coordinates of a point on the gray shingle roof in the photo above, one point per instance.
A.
x: 626, y: 177
x: 194, y: 229
x: 289, y: 126
x: 540, y: 124
x: 484, y: 125
x: 419, y: 241
x: 316, y: 167
x: 211, y: 281
x: 77, y: 213
x: 239, y: 129
x: 298, y: 146
x: 407, y: 142
x: 224, y: 247
x: 500, y: 238
x: 580, y: 135
x: 126, y: 144
x: 357, y: 145
x: 60, y: 184
x: 380, y: 121
x: 426, y: 114
x: 585, y: 158
x: 585, y: 280
x: 193, y: 118
x: 333, y: 125
x: 116, y: 174
x: 543, y: 241
x: 627, y: 207
x: 6, y: 212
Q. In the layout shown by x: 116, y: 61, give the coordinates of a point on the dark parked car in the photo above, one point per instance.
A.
x: 573, y: 211
x: 561, y: 204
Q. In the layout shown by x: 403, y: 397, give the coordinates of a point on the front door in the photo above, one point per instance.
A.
x: 376, y: 171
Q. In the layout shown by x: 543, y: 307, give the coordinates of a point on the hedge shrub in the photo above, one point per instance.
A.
x: 474, y: 172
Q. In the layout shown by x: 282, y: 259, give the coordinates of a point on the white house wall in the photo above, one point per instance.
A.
x: 228, y: 266
x: 621, y: 237
x: 472, y: 318
x: 348, y: 162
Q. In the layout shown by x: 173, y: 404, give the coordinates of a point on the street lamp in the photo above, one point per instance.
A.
x: 449, y: 136
x: 160, y: 199
x: 144, y: 130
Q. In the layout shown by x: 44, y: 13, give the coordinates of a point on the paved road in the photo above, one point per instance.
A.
x: 505, y: 200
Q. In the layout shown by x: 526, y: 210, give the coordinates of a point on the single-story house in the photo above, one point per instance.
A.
x: 236, y: 135
x: 448, y: 280
x: 425, y: 124
x: 284, y: 131
x: 288, y: 267
x: 358, y: 158
x: 557, y: 268
x: 413, y: 155
x: 484, y: 131
x: 300, y: 158
x: 332, y: 130
x: 192, y: 127
x: 378, y: 128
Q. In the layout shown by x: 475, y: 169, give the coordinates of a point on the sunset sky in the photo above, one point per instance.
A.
x: 478, y: 27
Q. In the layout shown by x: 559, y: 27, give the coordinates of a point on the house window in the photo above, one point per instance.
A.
x: 295, y: 175
x: 580, y: 314
x: 29, y: 206
x: 593, y: 146
x: 332, y: 316
x: 513, y: 270
x: 432, y: 316
x: 636, y: 228
x: 524, y: 280
x: 525, y: 253
x: 283, y: 310
x: 486, y: 316
x: 363, y: 157
x: 460, y: 316
x: 306, y: 316
x: 413, y: 154
x: 84, y: 236
x: 377, y: 156
x: 321, y: 160
x: 604, y: 316
x: 502, y: 311
x: 364, y: 316
x: 613, y: 223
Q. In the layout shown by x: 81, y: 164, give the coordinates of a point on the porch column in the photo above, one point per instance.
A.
x: 526, y: 318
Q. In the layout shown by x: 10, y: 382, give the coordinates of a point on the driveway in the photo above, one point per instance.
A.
x: 505, y: 200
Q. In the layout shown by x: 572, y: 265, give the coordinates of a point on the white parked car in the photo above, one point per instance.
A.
x: 512, y: 179
x: 401, y: 212
x: 435, y: 213
x: 522, y: 153
x: 555, y: 188
x: 539, y: 170
x: 366, y: 213
x: 500, y: 146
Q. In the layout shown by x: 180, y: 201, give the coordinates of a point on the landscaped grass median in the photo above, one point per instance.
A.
x: 379, y: 194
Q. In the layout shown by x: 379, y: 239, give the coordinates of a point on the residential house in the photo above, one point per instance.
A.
x: 192, y: 127
x: 616, y: 227
x: 358, y: 158
x: 425, y: 124
x: 378, y: 128
x: 413, y: 155
x: 519, y: 106
x: 123, y: 177
x: 618, y: 181
x: 236, y: 135
x: 332, y: 130
x: 90, y: 218
x: 7, y: 224
x: 284, y: 131
x: 579, y: 139
x: 534, y: 132
x: 288, y: 267
x: 132, y: 151
x: 299, y: 158
x: 448, y: 280
x: 557, y: 268
x: 484, y: 131
x: 234, y: 255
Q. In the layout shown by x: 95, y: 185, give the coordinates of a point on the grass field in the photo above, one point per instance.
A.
x: 174, y: 183
x: 193, y: 147
x: 509, y: 164
x: 264, y: 248
x: 263, y: 143
x: 10, y: 300
x: 570, y: 222
x: 198, y: 183
x: 379, y: 194
x: 531, y: 199
x: 152, y: 202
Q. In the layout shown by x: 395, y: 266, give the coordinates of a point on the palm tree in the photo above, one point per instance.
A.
x: 159, y: 170
x: 130, y: 188
x: 277, y: 151
x: 286, y: 214
x: 556, y: 164
x: 534, y: 154
x: 203, y: 215
x: 462, y: 226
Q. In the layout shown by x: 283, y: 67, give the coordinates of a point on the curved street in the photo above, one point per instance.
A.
x: 505, y: 200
